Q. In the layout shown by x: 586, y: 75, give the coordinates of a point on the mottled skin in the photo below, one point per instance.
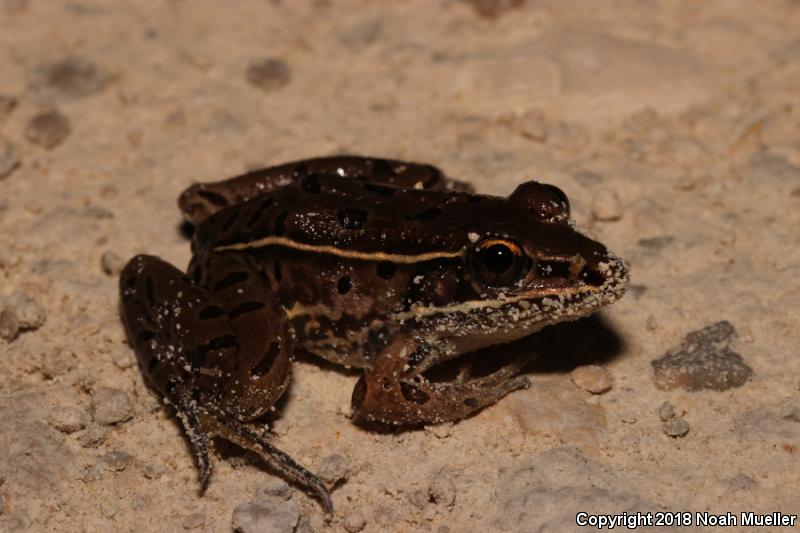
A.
x: 382, y: 265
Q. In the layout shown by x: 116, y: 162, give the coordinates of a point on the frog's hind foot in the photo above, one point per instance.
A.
x: 223, y: 425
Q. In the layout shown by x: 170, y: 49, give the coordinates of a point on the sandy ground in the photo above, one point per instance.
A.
x: 674, y: 127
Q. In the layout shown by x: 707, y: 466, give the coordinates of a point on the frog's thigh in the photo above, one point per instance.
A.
x: 384, y: 395
x: 227, y: 339
x: 203, y: 199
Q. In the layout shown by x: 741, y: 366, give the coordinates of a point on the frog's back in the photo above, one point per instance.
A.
x: 352, y: 216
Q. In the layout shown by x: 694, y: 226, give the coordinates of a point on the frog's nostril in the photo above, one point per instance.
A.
x: 592, y: 277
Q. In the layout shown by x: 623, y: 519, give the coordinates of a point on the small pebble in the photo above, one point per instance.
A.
x: 333, y: 468
x: 2, y: 504
x: 703, y: 361
x: 7, y: 105
x: 443, y: 490
x: 592, y: 378
x: 110, y: 406
x: 67, y: 419
x: 271, y: 488
x: 69, y: 78
x: 48, y: 129
x: 94, y: 472
x: 532, y: 125
x: 55, y: 362
x: 9, y: 324
x: 491, y: 9
x: 193, y: 521
x: 676, y: 427
x: 154, y: 470
x: 9, y: 158
x: 606, y: 206
x: 419, y: 498
x: 354, y: 521
x: 93, y: 437
x: 272, y: 515
x: 666, y: 411
x: 111, y: 263
x: 117, y: 460
x: 269, y: 74
x: 20, y: 313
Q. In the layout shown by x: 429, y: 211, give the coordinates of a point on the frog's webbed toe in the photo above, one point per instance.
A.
x: 389, y: 393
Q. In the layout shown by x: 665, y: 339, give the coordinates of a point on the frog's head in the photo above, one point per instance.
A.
x: 524, y: 266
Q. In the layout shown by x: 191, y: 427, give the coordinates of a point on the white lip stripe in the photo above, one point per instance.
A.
x: 368, y: 256
x: 465, y: 307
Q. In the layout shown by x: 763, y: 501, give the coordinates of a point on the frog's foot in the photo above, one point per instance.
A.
x: 223, y: 425
x: 390, y: 394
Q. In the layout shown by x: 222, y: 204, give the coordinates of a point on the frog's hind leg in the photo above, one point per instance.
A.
x: 203, y: 199
x: 394, y: 391
x: 217, y: 347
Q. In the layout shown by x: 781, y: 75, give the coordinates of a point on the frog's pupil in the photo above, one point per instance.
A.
x: 498, y: 258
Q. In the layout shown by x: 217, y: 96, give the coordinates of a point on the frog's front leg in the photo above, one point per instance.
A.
x: 217, y: 347
x: 395, y: 391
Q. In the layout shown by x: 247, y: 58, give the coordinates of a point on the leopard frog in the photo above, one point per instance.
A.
x: 381, y: 265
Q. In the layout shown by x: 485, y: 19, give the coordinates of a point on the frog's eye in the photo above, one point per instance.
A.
x: 499, y: 261
x: 560, y: 196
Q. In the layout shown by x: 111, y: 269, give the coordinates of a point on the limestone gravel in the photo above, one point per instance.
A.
x: 7, y: 105
x: 110, y: 406
x: 354, y: 521
x: 111, y: 263
x: 606, y: 206
x: 443, y: 490
x: 68, y: 79
x: 333, y: 468
x: 266, y: 516
x: 9, y: 158
x: 269, y: 74
x: 666, y: 411
x: 193, y: 521
x: 592, y: 378
x: 48, y: 129
x: 703, y: 361
x: 117, y: 460
x: 676, y: 427
x: 68, y: 419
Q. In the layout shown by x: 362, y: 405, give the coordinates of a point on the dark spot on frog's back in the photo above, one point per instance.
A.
x: 246, y: 307
x: 210, y: 312
x: 353, y: 218
x: 426, y: 215
x: 280, y: 224
x: 344, y: 285
x: 234, y: 278
x: 379, y: 190
x: 386, y: 269
x: 266, y: 362
x: 258, y: 213
x: 310, y: 183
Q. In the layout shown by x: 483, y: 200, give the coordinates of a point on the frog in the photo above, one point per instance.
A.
x: 388, y: 267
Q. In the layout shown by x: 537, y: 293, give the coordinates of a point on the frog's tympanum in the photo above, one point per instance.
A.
x: 381, y: 265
